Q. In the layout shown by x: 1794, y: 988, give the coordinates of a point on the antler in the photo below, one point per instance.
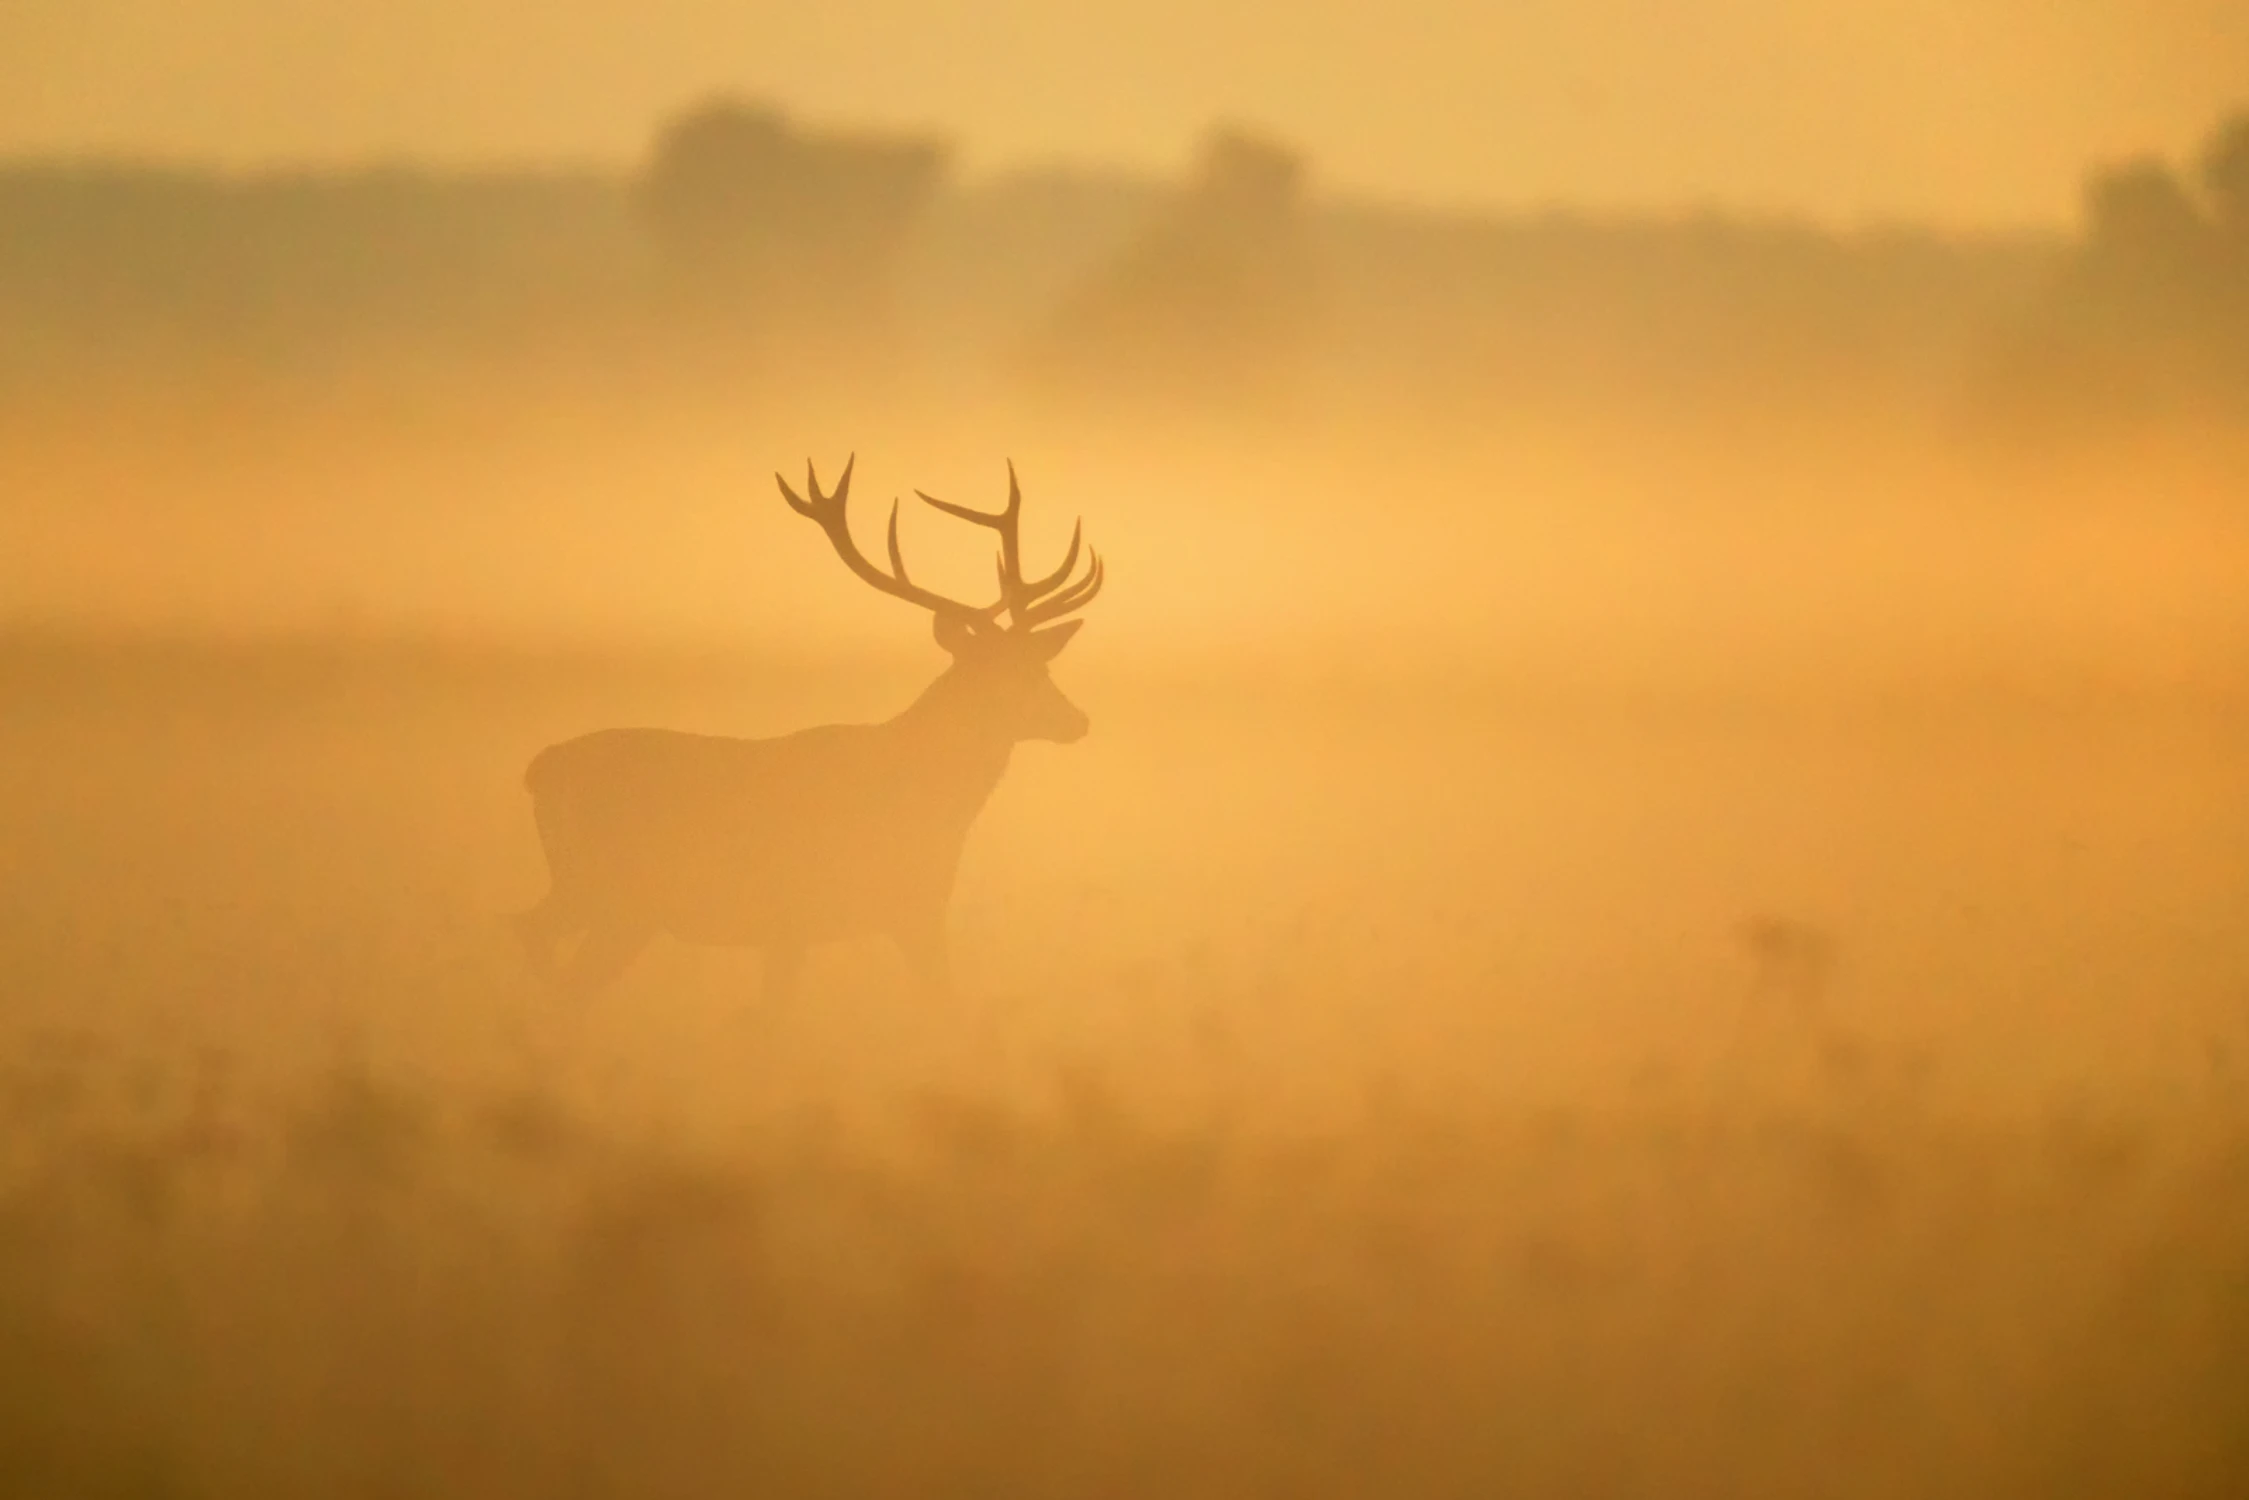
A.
x: 1027, y: 603
x: 829, y: 513
x: 1033, y: 602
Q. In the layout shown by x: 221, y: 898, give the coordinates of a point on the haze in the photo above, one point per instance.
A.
x: 1633, y: 886
x: 1963, y: 112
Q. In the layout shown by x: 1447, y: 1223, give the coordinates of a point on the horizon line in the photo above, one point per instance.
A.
x: 1344, y: 197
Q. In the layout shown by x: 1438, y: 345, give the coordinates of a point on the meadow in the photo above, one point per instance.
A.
x: 1653, y: 906
x: 1359, y: 1085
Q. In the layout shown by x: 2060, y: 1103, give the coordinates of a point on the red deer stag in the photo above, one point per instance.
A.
x: 828, y: 833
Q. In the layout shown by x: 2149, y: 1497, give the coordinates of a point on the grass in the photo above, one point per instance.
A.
x: 1383, y: 1144
x: 367, y: 1289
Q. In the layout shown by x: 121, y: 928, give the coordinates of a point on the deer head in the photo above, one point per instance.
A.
x: 999, y: 674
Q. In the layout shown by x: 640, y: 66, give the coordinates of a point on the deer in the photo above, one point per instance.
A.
x: 835, y: 832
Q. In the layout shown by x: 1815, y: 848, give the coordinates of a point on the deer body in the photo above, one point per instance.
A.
x: 828, y: 833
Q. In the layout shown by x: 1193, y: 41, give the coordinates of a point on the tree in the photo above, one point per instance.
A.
x: 765, y: 229
x: 2141, y: 216
x: 2225, y: 176
x: 1211, y: 304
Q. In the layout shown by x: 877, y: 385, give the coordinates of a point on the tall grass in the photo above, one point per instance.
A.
x: 364, y: 1288
x: 305, y: 1192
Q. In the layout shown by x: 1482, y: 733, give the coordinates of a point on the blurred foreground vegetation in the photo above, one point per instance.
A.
x: 361, y: 1287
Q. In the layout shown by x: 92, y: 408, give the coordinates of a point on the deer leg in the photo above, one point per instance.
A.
x: 784, y: 966
x: 603, y: 958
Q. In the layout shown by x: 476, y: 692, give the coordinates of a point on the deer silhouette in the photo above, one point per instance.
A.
x: 829, y: 833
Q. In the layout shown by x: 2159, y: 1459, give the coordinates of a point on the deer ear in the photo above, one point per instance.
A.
x: 952, y: 634
x: 1049, y: 642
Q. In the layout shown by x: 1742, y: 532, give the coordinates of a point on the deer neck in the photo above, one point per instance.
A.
x: 949, y: 742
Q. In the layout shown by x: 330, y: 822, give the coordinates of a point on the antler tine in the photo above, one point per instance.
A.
x: 796, y: 501
x: 1034, y: 590
x: 818, y: 503
x: 830, y: 512
x: 1028, y: 601
x: 1070, y: 600
x: 1003, y: 522
x: 1008, y: 522
x: 897, y: 557
x: 1011, y: 535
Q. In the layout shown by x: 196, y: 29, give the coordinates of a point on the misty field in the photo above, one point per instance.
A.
x: 1653, y: 906
x: 1353, y: 1091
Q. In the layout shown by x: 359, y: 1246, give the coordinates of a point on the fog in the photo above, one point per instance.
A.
x: 1973, y: 112
x: 1651, y: 903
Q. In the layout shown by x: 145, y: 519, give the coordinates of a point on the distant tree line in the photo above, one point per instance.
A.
x: 748, y: 245
x: 104, y: 267
x: 2149, y: 315
x: 769, y: 233
x: 1211, y: 305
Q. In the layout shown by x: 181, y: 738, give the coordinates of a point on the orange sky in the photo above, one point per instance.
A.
x: 1963, y: 111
